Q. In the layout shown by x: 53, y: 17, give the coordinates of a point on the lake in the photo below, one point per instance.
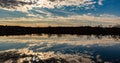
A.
x: 97, y: 48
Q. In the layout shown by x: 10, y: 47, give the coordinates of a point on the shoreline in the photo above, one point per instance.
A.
x: 82, y: 30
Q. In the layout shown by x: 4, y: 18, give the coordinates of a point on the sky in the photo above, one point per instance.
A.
x: 59, y: 12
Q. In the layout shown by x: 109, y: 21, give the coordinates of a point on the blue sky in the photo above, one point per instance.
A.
x: 94, y: 8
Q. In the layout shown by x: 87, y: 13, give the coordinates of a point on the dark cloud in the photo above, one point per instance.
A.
x: 13, y: 3
x: 16, y: 3
x: 28, y: 4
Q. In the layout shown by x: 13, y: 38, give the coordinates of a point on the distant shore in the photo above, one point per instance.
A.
x: 81, y: 30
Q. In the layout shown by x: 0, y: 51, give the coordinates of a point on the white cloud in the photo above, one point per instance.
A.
x: 23, y: 5
x: 108, y: 15
x: 100, y: 2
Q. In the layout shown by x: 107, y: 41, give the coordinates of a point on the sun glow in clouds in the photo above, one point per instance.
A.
x: 55, y: 13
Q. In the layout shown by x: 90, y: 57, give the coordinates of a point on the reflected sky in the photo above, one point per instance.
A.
x: 55, y: 42
x: 105, y: 46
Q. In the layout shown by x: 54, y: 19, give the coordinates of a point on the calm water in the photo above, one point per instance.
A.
x: 106, y: 47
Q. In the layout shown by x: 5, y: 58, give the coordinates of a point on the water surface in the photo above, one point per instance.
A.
x: 106, y: 48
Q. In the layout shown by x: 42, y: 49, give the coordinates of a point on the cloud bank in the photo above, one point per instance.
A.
x: 55, y: 13
x: 28, y: 4
x: 76, y: 20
